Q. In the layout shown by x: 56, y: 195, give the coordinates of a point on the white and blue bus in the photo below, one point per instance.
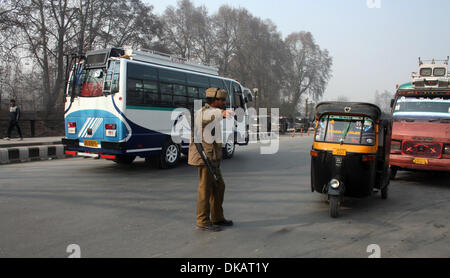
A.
x: 120, y: 104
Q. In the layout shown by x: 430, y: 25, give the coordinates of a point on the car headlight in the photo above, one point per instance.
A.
x: 334, y: 183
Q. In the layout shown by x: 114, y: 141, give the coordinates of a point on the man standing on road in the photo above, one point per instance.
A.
x: 210, y: 196
x: 14, y: 115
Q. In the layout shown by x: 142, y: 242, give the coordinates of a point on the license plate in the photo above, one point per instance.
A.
x: 340, y: 152
x: 90, y: 143
x: 421, y: 161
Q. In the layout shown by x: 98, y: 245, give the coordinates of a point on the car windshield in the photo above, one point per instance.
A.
x: 346, y: 130
x: 88, y: 82
x: 422, y: 107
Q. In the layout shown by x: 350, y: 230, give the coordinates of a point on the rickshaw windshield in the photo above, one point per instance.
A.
x: 346, y: 130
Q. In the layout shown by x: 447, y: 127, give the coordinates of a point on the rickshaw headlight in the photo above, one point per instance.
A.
x: 334, y: 183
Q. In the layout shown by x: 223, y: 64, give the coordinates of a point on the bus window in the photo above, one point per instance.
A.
x: 216, y: 83
x: 202, y: 92
x: 192, y: 92
x: 171, y: 76
x: 134, y: 92
x: 179, y: 95
x: 140, y: 72
x: 166, y: 94
x: 150, y: 92
x: 197, y: 81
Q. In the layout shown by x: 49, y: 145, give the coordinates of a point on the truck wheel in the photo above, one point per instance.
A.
x: 124, y: 159
x: 334, y: 206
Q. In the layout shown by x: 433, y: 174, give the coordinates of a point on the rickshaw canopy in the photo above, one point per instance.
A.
x: 349, y: 108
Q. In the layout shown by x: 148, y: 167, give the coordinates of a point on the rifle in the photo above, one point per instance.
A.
x: 205, y: 159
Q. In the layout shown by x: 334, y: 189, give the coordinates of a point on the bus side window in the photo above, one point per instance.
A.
x: 150, y: 92
x: 134, y: 92
x: 192, y: 96
x: 179, y: 95
x: 166, y: 94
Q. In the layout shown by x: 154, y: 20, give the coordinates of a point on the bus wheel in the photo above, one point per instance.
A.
x: 228, y: 151
x: 170, y: 155
x: 124, y: 159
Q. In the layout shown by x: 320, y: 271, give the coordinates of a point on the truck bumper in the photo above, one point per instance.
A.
x: 407, y: 162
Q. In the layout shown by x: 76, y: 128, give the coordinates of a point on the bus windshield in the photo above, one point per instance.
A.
x: 88, y: 82
x: 422, y: 107
x: 346, y: 130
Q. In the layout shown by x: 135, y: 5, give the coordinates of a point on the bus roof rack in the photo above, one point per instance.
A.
x: 432, y: 74
x: 164, y: 59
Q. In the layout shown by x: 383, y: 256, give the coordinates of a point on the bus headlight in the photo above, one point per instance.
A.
x: 334, y: 183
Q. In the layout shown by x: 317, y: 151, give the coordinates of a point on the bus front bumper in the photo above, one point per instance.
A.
x: 411, y: 162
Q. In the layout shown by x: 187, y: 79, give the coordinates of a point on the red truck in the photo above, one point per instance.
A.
x: 421, y: 115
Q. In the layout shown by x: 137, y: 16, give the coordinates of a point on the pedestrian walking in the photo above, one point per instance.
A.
x: 14, y: 116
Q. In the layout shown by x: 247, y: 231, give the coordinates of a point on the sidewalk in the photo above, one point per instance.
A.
x: 30, y: 149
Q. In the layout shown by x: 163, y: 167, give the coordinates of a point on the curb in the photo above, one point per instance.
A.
x: 31, y: 153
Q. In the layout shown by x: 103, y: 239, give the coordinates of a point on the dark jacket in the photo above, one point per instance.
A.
x: 14, y: 113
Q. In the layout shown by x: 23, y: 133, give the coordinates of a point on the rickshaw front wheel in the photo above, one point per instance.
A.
x: 334, y: 206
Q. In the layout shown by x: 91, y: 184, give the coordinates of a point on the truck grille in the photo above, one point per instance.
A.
x: 422, y: 149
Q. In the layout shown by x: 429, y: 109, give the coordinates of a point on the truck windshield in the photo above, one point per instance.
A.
x: 346, y: 129
x: 87, y: 83
x: 422, y: 107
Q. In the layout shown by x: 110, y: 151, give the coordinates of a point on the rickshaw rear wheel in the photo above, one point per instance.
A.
x: 384, y: 193
x: 334, y: 206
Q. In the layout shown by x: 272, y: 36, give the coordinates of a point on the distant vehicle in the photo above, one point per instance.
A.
x: 120, y: 104
x: 283, y: 125
x: 421, y: 128
x: 299, y: 124
x: 261, y: 123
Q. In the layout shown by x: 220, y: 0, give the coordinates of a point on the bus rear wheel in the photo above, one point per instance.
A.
x: 124, y: 159
x: 170, y: 155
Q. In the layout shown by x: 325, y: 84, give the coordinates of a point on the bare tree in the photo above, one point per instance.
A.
x: 311, y: 68
x: 383, y: 100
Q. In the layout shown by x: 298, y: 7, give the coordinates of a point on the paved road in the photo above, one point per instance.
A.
x: 136, y: 211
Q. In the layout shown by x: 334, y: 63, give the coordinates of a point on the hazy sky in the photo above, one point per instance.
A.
x: 372, y: 48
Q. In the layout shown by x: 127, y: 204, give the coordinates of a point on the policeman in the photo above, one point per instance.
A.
x: 207, y: 129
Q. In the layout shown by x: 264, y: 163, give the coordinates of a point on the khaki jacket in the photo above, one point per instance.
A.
x: 206, y: 118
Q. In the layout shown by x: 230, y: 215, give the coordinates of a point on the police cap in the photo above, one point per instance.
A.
x: 216, y: 93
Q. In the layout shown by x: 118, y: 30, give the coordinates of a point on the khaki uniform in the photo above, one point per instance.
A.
x: 210, y: 198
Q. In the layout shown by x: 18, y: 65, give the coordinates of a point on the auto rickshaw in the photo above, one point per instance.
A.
x: 350, y: 152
